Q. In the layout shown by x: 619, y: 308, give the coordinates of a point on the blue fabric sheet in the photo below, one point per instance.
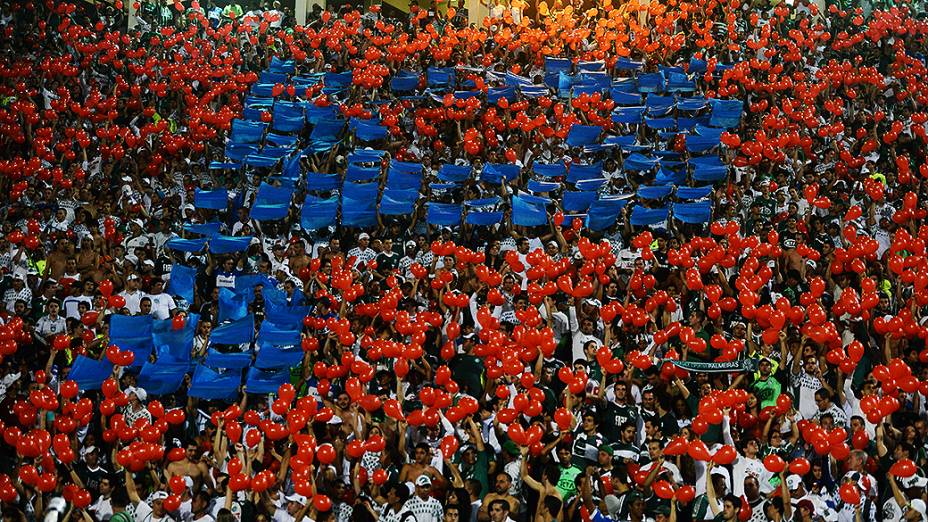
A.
x: 272, y: 334
x: 604, y: 213
x: 162, y: 378
x: 454, y: 173
x: 654, y: 192
x: 229, y: 244
x: 398, y: 202
x: 266, y: 381
x: 443, y: 214
x: 726, y: 113
x: 642, y: 216
x: 237, y: 332
x: 233, y: 306
x: 186, y: 245
x: 89, y: 373
x: 212, y: 199
x: 212, y: 385
x: 179, y: 343
x: 693, y: 192
x: 183, y: 281
x: 483, y: 218
x: 578, y: 201
x: 272, y: 357
x: 580, y: 135
x: 527, y: 212
x: 319, y: 213
x: 229, y: 361
x: 694, y: 213
x: 131, y: 331
x: 496, y: 172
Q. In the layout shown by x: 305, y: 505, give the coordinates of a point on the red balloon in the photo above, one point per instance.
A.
x: 849, y: 493
x: 774, y: 463
x: 326, y: 454
x: 799, y: 466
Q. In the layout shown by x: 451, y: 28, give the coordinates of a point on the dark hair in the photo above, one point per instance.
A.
x: 824, y: 393
x: 120, y: 497
x: 499, y: 501
x: 735, y: 501
x: 553, y: 504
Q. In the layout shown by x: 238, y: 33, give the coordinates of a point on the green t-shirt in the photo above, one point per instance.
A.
x: 565, y: 484
x: 479, y: 472
x: 767, y: 391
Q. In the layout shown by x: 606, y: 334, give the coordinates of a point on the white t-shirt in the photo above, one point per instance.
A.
x: 161, y: 305
x: 143, y: 513
x: 101, y: 509
x: 133, y: 300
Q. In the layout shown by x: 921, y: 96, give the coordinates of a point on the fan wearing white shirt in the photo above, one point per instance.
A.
x: 162, y: 304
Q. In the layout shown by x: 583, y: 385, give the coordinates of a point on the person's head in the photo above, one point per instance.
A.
x: 503, y: 483
x: 157, y: 504
x: 452, y: 513
x: 190, y: 451
x: 823, y: 399
x: 628, y: 432
x: 423, y: 454
x: 916, y: 512
x: 295, y: 503
x: 806, y: 509
x: 564, y: 454
x: 145, y: 306
x: 774, y: 508
x: 605, y: 454
x: 589, y: 422
x: 751, y: 488
x: 499, y: 510
x: 730, y: 507
x: 423, y: 486
x: 200, y: 502
x: 224, y: 515
x: 396, y: 493
x: 119, y: 499
x: 106, y: 485
x: 857, y: 460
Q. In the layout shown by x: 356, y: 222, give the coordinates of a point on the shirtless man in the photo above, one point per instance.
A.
x: 420, y: 465
x: 57, y: 261
x: 192, y: 467
x: 501, y: 492
x: 298, y: 257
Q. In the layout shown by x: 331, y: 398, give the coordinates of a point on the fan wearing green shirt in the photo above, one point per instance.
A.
x: 766, y: 387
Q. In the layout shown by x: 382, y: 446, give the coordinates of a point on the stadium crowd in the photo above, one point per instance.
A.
x: 765, y: 364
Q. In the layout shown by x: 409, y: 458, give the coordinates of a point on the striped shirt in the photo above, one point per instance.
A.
x: 428, y: 510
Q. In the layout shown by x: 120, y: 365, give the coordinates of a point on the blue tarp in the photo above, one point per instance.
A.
x: 578, y: 201
x: 527, y: 212
x: 726, y: 113
x: 232, y: 305
x: 398, y: 202
x: 204, y: 229
x: 549, y: 170
x: 89, y: 373
x: 229, y: 244
x: 212, y: 385
x: 358, y: 173
x: 212, y: 199
x: 483, y: 218
x: 270, y: 357
x: 695, y: 213
x: 237, y: 332
x: 230, y: 361
x: 319, y: 213
x: 604, y: 213
x: 638, y: 162
x: 266, y: 381
x: 655, y: 192
x: 322, y: 182
x: 183, y: 281
x: 444, y: 214
x: 454, y: 173
x: 272, y: 334
x: 580, y: 135
x: 369, y: 131
x: 496, y: 172
x: 648, y: 216
x: 179, y: 343
x: 693, y: 192
x: 162, y: 378
x: 186, y: 245
x: 131, y: 332
x: 579, y: 172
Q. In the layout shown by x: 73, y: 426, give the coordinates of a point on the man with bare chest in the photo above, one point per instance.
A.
x: 191, y: 466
